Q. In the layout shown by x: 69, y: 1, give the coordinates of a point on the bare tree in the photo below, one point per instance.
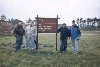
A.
x: 3, y: 17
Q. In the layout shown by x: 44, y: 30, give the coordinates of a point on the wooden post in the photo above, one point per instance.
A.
x: 37, y: 31
x: 56, y: 31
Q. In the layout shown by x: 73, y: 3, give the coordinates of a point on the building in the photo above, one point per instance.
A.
x: 5, y: 27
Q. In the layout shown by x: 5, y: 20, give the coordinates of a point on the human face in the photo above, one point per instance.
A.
x: 64, y: 25
x: 73, y: 23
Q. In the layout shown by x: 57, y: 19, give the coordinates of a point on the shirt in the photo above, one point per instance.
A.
x: 31, y: 31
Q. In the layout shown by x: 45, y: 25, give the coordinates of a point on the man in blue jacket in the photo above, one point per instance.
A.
x: 64, y: 34
x: 75, y: 34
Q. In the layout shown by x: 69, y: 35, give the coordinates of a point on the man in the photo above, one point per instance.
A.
x: 75, y: 34
x: 30, y: 34
x: 64, y: 34
x: 19, y: 32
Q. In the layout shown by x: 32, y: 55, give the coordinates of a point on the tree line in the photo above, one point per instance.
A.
x: 89, y: 23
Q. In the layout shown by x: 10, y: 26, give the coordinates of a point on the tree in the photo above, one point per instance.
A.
x: 29, y: 20
x: 3, y: 17
x: 15, y: 21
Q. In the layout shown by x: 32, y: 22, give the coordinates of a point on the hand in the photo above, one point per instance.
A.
x: 69, y: 38
x: 16, y: 35
x: 77, y: 38
x: 25, y: 36
x: 59, y: 33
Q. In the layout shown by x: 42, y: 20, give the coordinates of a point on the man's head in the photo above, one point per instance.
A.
x: 20, y: 26
x: 73, y: 22
x: 64, y: 25
x: 20, y: 23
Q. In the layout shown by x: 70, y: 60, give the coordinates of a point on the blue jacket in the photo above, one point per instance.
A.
x: 64, y: 33
x: 75, y: 32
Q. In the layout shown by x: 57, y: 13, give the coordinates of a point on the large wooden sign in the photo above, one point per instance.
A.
x: 47, y: 25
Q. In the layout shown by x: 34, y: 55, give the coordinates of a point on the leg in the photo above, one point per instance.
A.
x: 73, y: 45
x: 21, y: 41
x: 65, y: 44
x: 17, y: 43
x: 32, y: 43
x: 61, y: 45
x: 27, y: 42
x: 76, y: 46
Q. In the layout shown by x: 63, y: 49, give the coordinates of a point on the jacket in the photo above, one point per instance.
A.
x: 64, y: 33
x: 75, y: 32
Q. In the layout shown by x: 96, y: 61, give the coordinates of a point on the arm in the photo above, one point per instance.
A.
x: 25, y: 32
x: 35, y: 32
x: 79, y: 32
x: 15, y: 32
x: 59, y: 30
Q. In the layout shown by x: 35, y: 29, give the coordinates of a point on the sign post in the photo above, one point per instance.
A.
x: 37, y: 32
x: 47, y: 25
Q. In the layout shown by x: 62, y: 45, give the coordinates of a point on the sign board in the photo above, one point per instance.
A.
x: 47, y: 25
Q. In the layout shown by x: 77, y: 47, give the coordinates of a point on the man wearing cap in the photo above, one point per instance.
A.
x: 64, y: 34
x: 75, y: 34
x: 30, y: 34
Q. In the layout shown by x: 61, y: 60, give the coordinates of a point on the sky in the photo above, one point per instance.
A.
x: 67, y: 10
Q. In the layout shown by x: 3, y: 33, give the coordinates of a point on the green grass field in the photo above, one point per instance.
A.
x: 47, y: 56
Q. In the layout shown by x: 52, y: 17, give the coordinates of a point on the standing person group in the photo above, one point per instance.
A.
x: 29, y: 33
x: 73, y: 32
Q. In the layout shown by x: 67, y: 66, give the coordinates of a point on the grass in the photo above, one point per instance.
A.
x: 46, y: 56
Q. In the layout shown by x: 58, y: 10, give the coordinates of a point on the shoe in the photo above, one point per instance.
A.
x: 33, y: 49
x: 75, y: 52
x: 25, y: 48
x: 60, y: 52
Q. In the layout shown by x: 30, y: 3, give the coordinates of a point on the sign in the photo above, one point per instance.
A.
x: 47, y: 25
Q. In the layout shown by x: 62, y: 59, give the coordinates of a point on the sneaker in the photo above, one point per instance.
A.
x: 75, y: 52
x: 60, y: 52
x: 25, y: 48
x: 33, y: 48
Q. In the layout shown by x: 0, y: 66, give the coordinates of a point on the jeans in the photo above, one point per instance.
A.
x: 74, y: 45
x: 19, y: 41
x: 28, y: 40
x: 63, y: 45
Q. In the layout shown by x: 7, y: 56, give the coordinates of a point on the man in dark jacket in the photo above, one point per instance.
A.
x: 18, y: 33
x: 64, y: 34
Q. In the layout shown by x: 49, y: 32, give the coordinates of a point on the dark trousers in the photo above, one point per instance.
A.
x: 19, y: 41
x: 63, y: 45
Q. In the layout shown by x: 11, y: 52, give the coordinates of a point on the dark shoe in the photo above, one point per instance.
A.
x: 60, y: 52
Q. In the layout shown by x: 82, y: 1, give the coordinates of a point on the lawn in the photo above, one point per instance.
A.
x: 47, y: 56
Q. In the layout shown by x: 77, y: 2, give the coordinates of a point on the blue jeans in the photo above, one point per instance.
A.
x: 74, y: 45
x: 63, y: 45
x: 19, y: 41
x: 28, y: 40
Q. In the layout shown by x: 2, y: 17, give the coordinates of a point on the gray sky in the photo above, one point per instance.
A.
x: 67, y: 10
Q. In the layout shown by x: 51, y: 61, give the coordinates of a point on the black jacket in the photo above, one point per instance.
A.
x: 64, y: 33
x: 19, y: 31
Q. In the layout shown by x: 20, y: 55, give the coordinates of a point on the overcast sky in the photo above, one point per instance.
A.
x: 67, y: 10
